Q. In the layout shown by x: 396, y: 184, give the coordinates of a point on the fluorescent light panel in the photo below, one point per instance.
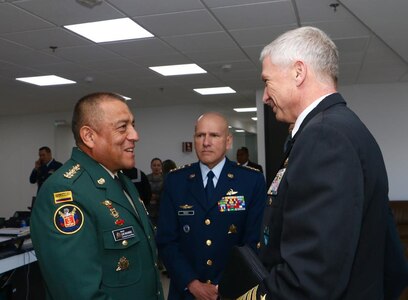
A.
x: 239, y: 130
x: 46, y: 80
x: 215, y: 90
x: 173, y: 70
x: 255, y: 118
x: 110, y: 30
x: 245, y: 109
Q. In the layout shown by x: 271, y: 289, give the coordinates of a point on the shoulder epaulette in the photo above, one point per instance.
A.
x: 180, y: 168
x: 72, y: 172
x: 248, y: 167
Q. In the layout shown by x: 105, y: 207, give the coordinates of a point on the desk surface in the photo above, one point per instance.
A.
x: 16, y: 261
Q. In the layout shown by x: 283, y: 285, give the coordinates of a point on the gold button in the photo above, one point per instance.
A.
x: 209, y: 262
x: 258, y: 245
x: 208, y: 242
x: 125, y: 243
x: 207, y: 222
x: 208, y: 281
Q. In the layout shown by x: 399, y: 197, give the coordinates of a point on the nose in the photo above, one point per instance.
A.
x: 207, y: 140
x: 265, y: 97
x: 133, y: 135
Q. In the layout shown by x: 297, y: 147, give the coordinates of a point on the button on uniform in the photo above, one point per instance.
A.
x: 207, y: 222
x: 208, y: 243
x: 125, y: 243
x: 209, y: 262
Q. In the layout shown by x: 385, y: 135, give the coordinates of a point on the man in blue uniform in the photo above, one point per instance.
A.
x: 44, y: 166
x: 207, y: 208
x: 90, y: 231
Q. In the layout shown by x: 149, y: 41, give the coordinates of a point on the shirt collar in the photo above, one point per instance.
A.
x: 216, y: 170
x: 110, y: 173
x: 305, y: 112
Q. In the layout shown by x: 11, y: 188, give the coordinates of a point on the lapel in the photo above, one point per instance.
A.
x: 224, y: 183
x: 102, y: 180
x: 326, y: 103
x: 195, y: 185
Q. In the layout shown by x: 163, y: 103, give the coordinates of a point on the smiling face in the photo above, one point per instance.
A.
x: 211, y: 139
x: 113, y: 136
x: 279, y: 92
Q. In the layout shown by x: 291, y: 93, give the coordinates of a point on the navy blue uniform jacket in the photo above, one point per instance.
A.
x: 325, y: 229
x: 195, y: 237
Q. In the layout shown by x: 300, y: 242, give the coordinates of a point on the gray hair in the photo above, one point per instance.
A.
x: 308, y: 44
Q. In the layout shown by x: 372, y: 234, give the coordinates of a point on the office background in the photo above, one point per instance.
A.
x: 224, y: 37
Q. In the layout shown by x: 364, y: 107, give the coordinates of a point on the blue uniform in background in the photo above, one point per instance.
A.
x: 194, y: 235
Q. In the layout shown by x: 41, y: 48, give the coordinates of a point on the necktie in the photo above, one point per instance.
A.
x: 209, y: 188
x: 126, y: 192
x: 120, y: 183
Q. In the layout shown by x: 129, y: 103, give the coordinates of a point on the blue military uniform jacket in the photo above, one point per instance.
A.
x: 45, y: 171
x: 194, y: 235
x: 89, y: 240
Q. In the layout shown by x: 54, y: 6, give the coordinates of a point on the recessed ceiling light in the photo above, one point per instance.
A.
x: 245, y: 109
x: 215, y: 90
x: 239, y: 130
x: 110, y: 30
x: 173, y: 70
x: 255, y: 118
x: 46, y: 80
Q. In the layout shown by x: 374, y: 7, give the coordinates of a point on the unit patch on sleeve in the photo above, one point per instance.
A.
x: 68, y: 219
x: 62, y: 197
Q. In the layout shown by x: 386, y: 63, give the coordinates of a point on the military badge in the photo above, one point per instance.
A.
x: 186, y: 206
x: 68, y: 219
x: 123, y: 264
x: 231, y: 203
x: 232, y: 229
x: 62, y: 197
x: 101, y: 181
x: 186, y: 228
x: 230, y: 175
x: 231, y: 192
x: 273, y: 189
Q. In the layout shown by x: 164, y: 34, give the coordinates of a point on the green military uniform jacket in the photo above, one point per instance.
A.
x: 89, y: 241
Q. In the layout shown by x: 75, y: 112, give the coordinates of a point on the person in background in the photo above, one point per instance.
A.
x: 325, y: 229
x: 156, y: 184
x: 168, y: 165
x: 207, y: 208
x: 243, y: 159
x: 44, y: 167
x: 90, y: 232
x: 141, y: 182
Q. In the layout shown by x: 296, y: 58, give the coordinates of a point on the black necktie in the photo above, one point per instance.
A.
x: 121, y: 184
x: 209, y: 188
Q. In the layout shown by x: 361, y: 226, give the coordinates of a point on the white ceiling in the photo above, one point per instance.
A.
x: 224, y: 37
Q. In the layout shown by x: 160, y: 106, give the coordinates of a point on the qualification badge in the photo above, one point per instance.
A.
x: 123, y: 264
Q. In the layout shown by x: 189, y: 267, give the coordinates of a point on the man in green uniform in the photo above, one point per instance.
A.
x: 90, y: 231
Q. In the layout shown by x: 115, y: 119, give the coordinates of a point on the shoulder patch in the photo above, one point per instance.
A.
x: 72, y: 172
x: 68, y: 219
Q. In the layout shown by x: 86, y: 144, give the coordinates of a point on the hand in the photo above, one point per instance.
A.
x: 203, y: 291
x: 37, y: 164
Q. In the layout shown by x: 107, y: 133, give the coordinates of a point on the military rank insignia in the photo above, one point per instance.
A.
x: 231, y: 203
x: 68, y: 219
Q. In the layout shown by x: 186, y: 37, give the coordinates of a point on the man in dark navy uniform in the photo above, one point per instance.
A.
x: 207, y: 208
x: 44, y: 167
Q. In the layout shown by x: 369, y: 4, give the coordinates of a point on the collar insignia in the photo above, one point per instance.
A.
x: 230, y: 175
x: 191, y: 176
x: 101, y: 181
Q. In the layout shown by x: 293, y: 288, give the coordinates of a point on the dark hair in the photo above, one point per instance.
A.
x: 47, y: 149
x: 168, y: 165
x: 156, y: 158
x: 244, y: 149
x: 87, y: 112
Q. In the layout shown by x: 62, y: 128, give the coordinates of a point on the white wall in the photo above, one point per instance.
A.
x: 383, y: 108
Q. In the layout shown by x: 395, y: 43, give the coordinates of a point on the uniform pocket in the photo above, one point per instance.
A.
x: 120, y: 260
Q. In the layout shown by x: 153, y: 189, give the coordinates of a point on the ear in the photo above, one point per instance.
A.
x: 229, y: 141
x: 300, y: 72
x: 87, y: 136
